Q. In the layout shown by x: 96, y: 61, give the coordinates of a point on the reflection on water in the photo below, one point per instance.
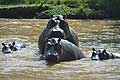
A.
x: 25, y: 65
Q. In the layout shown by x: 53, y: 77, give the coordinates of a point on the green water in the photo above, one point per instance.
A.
x: 25, y: 64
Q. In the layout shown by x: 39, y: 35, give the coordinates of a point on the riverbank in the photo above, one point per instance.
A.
x: 44, y: 11
x: 23, y: 11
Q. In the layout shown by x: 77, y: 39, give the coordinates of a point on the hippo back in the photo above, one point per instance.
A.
x: 73, y: 37
x: 57, y: 50
x: 70, y: 51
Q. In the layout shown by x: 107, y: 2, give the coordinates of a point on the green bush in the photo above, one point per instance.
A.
x: 6, y: 2
x: 109, y: 8
x: 34, y: 1
x: 9, y: 2
x: 72, y: 3
x: 61, y: 9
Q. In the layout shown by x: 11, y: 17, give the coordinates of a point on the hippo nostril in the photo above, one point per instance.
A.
x: 51, y: 57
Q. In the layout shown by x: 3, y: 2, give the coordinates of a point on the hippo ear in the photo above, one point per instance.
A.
x: 3, y: 44
x: 13, y: 43
x: 64, y: 17
x: 51, y: 16
x: 93, y: 49
x: 104, y: 50
x: 59, y: 40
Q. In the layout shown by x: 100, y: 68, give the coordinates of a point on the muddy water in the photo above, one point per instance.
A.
x: 25, y: 65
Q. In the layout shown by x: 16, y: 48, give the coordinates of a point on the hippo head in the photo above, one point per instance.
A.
x: 12, y: 46
x: 100, y: 55
x: 53, y: 50
x: 56, y: 31
x: 6, y: 48
x: 95, y: 54
x: 58, y: 17
x: 63, y: 23
x: 57, y: 27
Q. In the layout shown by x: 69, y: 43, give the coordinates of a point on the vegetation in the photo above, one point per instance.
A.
x: 61, y: 9
x: 81, y: 8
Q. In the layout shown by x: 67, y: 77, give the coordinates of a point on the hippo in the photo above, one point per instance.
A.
x: 103, y: 55
x: 14, y: 46
x: 57, y: 27
x: 57, y: 50
x: 6, y: 49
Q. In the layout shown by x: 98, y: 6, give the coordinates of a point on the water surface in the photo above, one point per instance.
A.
x: 25, y: 65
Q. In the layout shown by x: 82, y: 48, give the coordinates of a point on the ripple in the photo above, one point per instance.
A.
x: 25, y: 65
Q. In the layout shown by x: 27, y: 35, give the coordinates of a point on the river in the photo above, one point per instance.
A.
x: 25, y: 64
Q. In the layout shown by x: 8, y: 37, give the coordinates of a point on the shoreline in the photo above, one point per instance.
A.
x: 35, y: 12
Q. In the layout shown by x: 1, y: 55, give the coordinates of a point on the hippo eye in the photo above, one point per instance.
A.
x: 51, y: 23
x: 49, y: 45
x: 57, y: 47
